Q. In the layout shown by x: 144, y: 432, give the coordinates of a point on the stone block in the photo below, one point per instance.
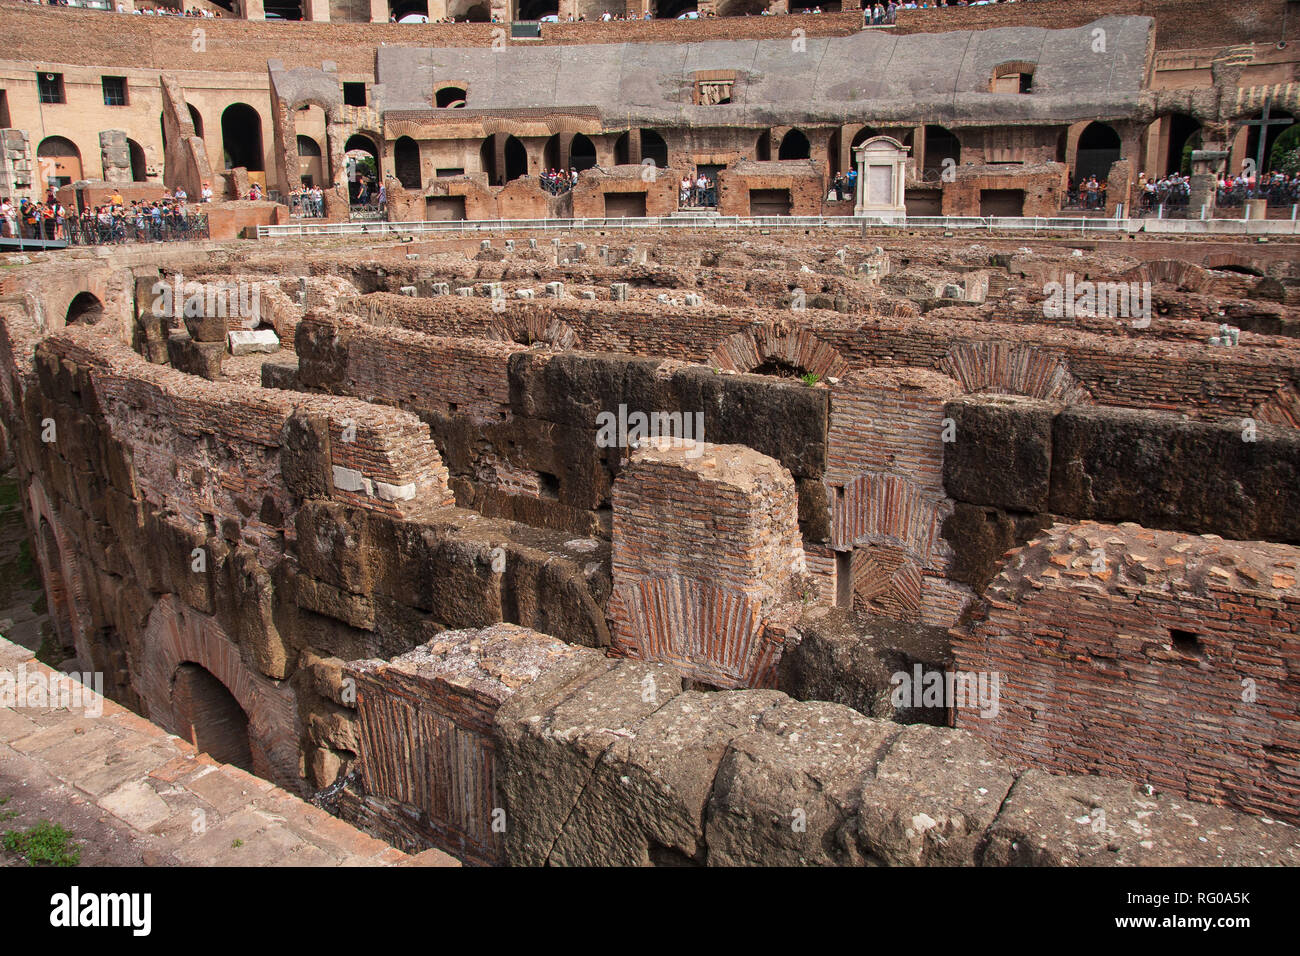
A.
x: 1001, y: 452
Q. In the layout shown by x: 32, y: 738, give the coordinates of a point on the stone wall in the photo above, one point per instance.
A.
x: 612, y: 763
x: 1164, y: 656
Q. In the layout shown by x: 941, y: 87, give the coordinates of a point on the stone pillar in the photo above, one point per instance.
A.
x: 379, y: 11
x: 15, y: 163
x: 634, y: 145
x: 1203, y: 190
x: 317, y: 10
x: 115, y: 155
x: 253, y: 9
x: 707, y: 555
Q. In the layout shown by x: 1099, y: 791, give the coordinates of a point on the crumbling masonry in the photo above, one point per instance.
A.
x: 379, y: 512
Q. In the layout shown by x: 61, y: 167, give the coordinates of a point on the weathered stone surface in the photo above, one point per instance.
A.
x: 646, y: 800
x: 786, y: 794
x: 1116, y: 464
x: 932, y: 797
x: 1098, y: 821
x: 305, y: 455
x: 195, y: 358
x: 248, y: 341
x: 551, y: 735
x: 1001, y: 454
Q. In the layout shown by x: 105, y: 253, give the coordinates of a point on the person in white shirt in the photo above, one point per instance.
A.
x: 206, y: 193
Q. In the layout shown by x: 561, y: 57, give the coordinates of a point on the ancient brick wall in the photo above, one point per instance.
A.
x: 1162, y: 657
x: 163, y: 43
x: 538, y: 410
x: 427, y: 735
x: 1162, y: 367
x: 1043, y: 190
x: 601, y: 762
x: 884, y: 485
x: 1181, y: 24
x: 706, y: 549
x: 803, y: 185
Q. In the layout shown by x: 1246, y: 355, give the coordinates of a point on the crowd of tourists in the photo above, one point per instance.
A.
x: 697, y: 190
x: 1280, y: 189
x: 1088, y: 193
x: 559, y: 181
x: 111, y: 222
x: 1172, y: 190
x: 142, y: 11
x: 307, y: 201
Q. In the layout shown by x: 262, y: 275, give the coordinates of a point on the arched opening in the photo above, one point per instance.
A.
x: 942, y: 148
x: 582, y: 153
x: 404, y: 8
x: 469, y: 11
x: 536, y: 9
x: 209, y: 716
x: 310, y: 171
x: 671, y: 9
x: 833, y: 152
x: 1099, y: 148
x: 197, y: 120
x: 61, y: 162
x: 1184, y: 136
x: 763, y: 147
x: 360, y: 163
x: 1271, y: 135
x: 85, y: 309
x: 283, y: 9
x: 241, y: 137
x: 406, y: 162
x: 450, y: 98
x: 862, y: 135
x: 741, y: 8
x: 1239, y: 269
x: 311, y: 124
x: 653, y: 148
x: 139, y: 167
x: 795, y: 145
x: 551, y: 153
x: 508, y: 163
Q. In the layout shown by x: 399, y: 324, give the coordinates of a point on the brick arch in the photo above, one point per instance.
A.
x: 531, y: 329
x: 330, y: 105
x: 176, y: 634
x: 1220, y: 259
x: 1008, y: 369
x: 891, y: 511
x: 1283, y: 408
x: 1172, y: 272
x: 780, y: 342
x: 61, y: 574
x: 711, y: 633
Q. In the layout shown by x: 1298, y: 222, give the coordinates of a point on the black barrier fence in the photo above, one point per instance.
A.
x: 109, y: 230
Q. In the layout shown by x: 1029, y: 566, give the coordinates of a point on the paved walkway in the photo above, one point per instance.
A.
x: 132, y: 794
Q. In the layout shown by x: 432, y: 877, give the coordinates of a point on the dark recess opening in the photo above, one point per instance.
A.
x: 1186, y: 642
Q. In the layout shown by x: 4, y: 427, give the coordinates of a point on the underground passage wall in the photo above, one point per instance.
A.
x: 394, y: 564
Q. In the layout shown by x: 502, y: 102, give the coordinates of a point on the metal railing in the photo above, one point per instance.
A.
x: 1078, y: 225
x: 93, y: 231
